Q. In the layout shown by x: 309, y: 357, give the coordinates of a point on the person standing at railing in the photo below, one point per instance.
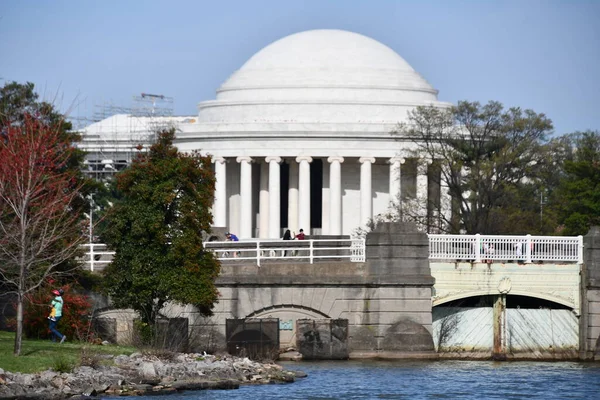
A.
x: 519, y: 251
x: 299, y: 236
x: 286, y: 236
x: 488, y: 250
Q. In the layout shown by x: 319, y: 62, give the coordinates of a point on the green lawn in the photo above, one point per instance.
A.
x: 40, y: 355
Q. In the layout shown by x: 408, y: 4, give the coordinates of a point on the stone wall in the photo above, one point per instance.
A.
x: 398, y: 265
x: 589, y: 328
x: 386, y: 301
x: 322, y: 339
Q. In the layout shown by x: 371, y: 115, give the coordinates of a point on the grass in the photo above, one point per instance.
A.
x: 40, y: 355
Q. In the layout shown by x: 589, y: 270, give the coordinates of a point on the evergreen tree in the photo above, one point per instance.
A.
x: 156, y: 230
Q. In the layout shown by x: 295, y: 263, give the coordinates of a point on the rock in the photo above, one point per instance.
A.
x: 142, y: 387
x: 90, y: 391
x: 141, y: 374
x: 150, y: 381
x: 290, y: 356
x: 164, y: 390
x: 299, y: 374
x: 121, y: 359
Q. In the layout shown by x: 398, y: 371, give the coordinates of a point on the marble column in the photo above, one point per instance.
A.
x: 304, y: 193
x: 335, y: 195
x: 274, y: 197
x: 264, y: 203
x: 422, y: 186
x: 366, y: 199
x: 395, y: 182
x: 220, y: 204
x: 245, y: 197
x: 293, y: 197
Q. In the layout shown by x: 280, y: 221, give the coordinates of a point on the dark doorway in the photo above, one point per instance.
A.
x: 255, y: 338
x: 284, y: 184
x: 316, y: 194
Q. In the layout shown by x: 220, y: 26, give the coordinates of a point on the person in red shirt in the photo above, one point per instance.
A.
x: 300, y: 235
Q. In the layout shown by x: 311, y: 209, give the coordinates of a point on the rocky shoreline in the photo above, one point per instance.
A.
x: 143, y: 374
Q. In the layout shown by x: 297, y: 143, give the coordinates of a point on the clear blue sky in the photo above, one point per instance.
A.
x: 543, y: 55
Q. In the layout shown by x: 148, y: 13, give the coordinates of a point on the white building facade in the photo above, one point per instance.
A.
x: 300, y: 136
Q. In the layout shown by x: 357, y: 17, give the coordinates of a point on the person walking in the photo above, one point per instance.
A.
x: 57, y: 306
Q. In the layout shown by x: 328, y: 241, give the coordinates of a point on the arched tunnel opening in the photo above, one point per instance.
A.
x: 512, y: 301
x: 257, y: 339
x: 252, y: 344
x: 508, y: 324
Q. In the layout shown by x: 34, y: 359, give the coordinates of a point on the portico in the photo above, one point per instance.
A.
x: 285, y: 198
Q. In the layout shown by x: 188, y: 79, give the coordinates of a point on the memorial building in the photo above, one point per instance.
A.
x: 300, y: 136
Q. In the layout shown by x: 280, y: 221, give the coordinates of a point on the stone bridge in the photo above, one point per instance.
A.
x: 401, y: 303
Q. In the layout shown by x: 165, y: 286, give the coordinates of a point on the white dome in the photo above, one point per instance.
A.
x: 320, y: 76
x: 326, y: 49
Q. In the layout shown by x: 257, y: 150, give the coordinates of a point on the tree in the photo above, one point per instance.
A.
x: 39, y: 222
x: 577, y: 198
x: 488, y: 161
x: 20, y: 101
x: 156, y: 231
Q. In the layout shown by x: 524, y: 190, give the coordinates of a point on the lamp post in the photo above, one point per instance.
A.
x: 91, y: 233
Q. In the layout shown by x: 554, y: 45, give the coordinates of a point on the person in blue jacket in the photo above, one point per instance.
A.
x: 232, y: 238
x: 57, y: 305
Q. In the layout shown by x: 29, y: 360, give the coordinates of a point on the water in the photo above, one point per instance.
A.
x: 424, y: 380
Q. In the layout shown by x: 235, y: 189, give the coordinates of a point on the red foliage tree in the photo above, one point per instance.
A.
x: 39, y: 226
x: 75, y: 321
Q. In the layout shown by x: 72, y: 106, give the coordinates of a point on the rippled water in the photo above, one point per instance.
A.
x: 424, y: 380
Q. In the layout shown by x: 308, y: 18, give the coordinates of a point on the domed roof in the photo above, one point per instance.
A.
x: 320, y: 76
x: 326, y: 48
x: 325, y: 58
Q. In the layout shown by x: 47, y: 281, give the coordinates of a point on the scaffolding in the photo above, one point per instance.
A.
x: 120, y: 130
x: 155, y: 108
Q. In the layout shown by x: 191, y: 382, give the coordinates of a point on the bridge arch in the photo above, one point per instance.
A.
x: 288, y: 314
x: 273, y: 311
x: 477, y: 293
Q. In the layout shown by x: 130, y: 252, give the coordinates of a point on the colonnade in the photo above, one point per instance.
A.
x: 299, y: 196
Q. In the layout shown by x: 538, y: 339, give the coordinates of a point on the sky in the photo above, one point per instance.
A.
x: 533, y: 54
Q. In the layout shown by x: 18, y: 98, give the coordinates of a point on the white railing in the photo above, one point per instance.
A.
x: 97, y: 257
x: 290, y: 250
x: 487, y: 248
x: 476, y: 248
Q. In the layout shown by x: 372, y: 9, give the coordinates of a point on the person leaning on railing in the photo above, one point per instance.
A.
x: 233, y: 238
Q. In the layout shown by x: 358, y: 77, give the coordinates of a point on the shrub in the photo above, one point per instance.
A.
x: 75, y: 322
x: 143, y: 334
x: 90, y: 357
x: 62, y: 364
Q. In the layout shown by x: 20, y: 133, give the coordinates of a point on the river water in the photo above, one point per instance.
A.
x: 424, y: 380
